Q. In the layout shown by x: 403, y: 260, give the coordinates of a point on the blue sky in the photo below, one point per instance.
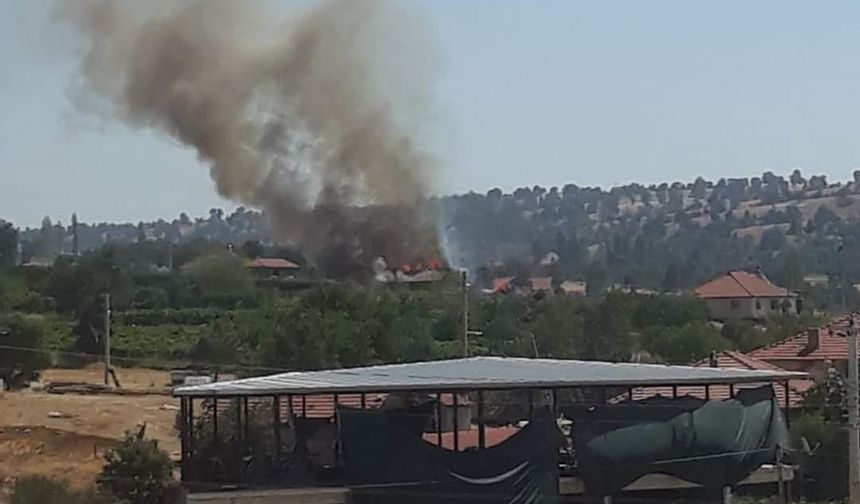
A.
x: 531, y: 92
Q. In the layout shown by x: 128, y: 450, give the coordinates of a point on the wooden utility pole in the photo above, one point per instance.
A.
x: 465, y: 315
x: 853, y: 418
x: 107, y: 338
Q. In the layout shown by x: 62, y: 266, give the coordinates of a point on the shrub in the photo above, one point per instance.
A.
x: 138, y: 472
x: 39, y: 489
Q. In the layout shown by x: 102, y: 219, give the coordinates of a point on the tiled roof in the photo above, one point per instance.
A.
x: 272, y: 263
x: 740, y: 284
x: 732, y: 360
x: 315, y: 406
x: 469, y: 438
x: 502, y: 284
x: 832, y: 343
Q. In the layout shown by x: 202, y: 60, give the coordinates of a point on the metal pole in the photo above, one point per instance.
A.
x: 465, y: 316
x: 707, y: 392
x: 107, y: 337
x: 276, y: 415
x: 183, y: 440
x: 853, y: 418
x: 439, y: 419
x: 457, y: 423
x: 482, y: 430
x: 247, y: 417
x: 780, y: 480
x: 215, y: 420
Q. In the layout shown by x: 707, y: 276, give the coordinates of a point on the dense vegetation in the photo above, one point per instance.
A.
x: 211, y: 310
x: 665, y: 237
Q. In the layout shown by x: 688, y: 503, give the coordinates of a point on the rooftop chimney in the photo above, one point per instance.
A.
x: 712, y: 360
x: 813, y: 335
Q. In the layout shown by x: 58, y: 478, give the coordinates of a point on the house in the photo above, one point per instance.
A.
x: 743, y: 295
x: 814, y: 350
x: 574, y: 287
x: 797, y: 387
x: 272, y: 266
x: 816, y: 279
x: 540, y: 284
x: 502, y: 285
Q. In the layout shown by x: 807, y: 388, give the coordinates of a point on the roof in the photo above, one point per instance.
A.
x: 480, y: 373
x: 502, y: 284
x: 573, y: 287
x: 540, y: 283
x: 797, y: 387
x: 469, y: 438
x: 271, y: 263
x: 740, y: 284
x: 832, y: 343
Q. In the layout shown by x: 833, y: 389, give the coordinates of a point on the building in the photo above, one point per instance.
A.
x: 812, y: 351
x: 790, y: 393
x: 330, y: 429
x: 272, y: 267
x: 574, y: 287
x: 741, y: 295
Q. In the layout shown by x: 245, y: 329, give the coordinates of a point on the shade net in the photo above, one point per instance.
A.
x: 711, y: 443
x: 387, y: 461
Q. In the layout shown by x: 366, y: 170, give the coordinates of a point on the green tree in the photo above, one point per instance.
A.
x: 684, y: 344
x: 20, y: 358
x: 8, y: 244
x: 138, y: 472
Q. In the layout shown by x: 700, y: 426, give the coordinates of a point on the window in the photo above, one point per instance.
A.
x: 774, y: 304
x: 735, y: 304
x: 757, y: 304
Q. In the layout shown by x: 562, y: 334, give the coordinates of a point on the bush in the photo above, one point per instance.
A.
x: 138, y: 472
x: 39, y: 489
x: 17, y: 367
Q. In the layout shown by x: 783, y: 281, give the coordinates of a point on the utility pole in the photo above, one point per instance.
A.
x: 465, y: 286
x: 107, y: 337
x: 853, y: 418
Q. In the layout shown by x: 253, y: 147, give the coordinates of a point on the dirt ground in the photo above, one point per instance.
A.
x: 56, y: 435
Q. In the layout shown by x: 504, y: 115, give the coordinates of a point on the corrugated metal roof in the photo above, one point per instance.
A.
x: 481, y: 373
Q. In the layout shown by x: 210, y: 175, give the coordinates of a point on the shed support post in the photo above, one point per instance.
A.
x: 456, y: 422
x: 363, y: 400
x: 183, y: 440
x: 336, y: 432
x: 630, y: 394
x: 304, y: 406
x: 482, y: 431
x: 531, y: 404
x: 247, y: 417
x: 727, y: 495
x: 276, y: 425
x: 674, y: 391
x: 731, y: 396
x: 439, y: 419
x: 554, y: 393
x: 707, y: 392
x: 191, y: 426
x: 237, y: 401
x: 215, y: 420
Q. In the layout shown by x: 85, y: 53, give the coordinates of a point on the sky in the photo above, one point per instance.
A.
x: 530, y: 92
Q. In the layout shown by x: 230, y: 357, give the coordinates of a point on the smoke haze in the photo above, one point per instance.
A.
x: 314, y: 116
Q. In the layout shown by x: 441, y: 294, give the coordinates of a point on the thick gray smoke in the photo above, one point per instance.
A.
x: 307, y: 116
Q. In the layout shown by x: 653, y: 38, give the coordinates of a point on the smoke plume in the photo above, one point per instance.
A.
x: 314, y: 116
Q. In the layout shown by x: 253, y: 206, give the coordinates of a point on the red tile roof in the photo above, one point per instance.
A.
x: 502, y: 284
x: 832, y: 344
x: 740, y: 284
x: 469, y: 438
x: 271, y: 263
x: 732, y: 360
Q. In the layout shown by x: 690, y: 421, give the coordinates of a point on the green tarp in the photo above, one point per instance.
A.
x: 713, y: 443
x: 386, y: 460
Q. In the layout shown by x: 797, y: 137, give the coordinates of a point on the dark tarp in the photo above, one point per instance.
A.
x: 387, y: 461
x: 712, y: 443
